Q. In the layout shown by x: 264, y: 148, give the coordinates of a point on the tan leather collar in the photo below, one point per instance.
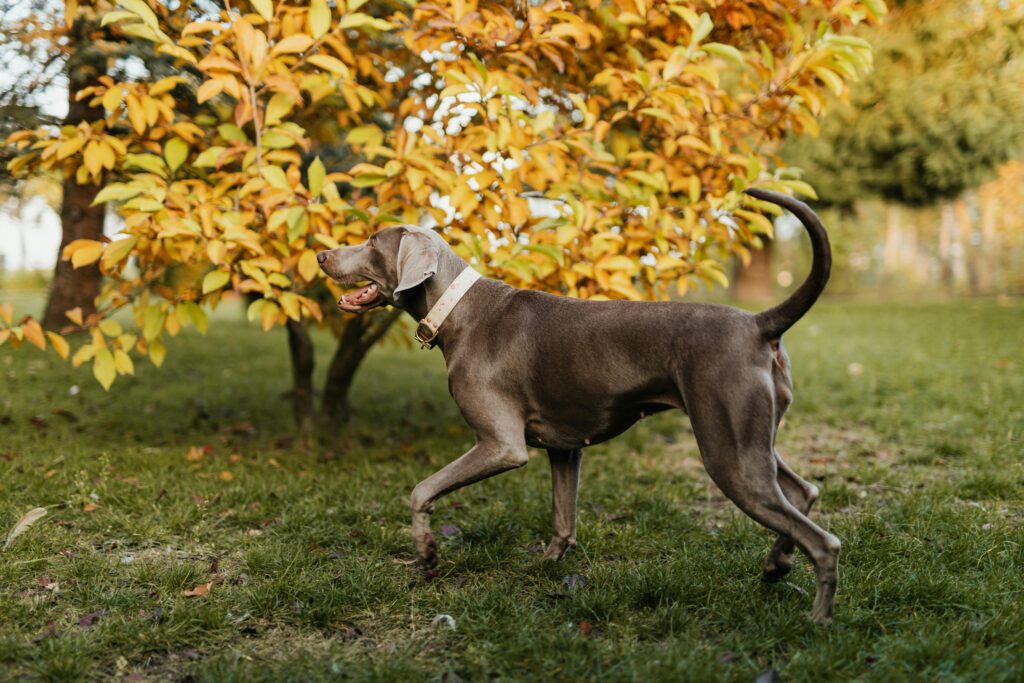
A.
x: 426, y: 331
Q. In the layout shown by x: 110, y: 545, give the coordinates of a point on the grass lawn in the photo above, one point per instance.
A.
x: 908, y: 417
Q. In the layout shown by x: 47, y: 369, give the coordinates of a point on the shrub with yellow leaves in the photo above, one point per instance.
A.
x: 635, y: 123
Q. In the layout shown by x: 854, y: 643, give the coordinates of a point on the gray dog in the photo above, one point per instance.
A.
x: 533, y: 369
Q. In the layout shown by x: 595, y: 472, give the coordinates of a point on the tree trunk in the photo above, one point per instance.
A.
x: 358, y: 336
x: 300, y: 347
x: 989, y: 262
x: 891, y: 258
x: 947, y: 226
x: 754, y: 282
x: 78, y: 287
x: 965, y: 217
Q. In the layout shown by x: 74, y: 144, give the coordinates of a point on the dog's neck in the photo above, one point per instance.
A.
x: 423, y: 298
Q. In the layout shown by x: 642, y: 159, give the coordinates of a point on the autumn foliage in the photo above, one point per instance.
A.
x: 640, y: 121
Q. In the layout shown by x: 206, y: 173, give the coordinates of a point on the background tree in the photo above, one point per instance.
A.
x: 642, y: 120
x: 942, y: 110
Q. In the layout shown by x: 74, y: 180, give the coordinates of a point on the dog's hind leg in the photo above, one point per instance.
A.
x: 802, y: 495
x: 734, y: 431
x: 565, y: 482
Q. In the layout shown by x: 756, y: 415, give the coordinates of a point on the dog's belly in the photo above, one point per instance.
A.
x: 579, y: 429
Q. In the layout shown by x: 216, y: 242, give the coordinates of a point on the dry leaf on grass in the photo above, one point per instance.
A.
x: 201, y: 589
x: 27, y: 520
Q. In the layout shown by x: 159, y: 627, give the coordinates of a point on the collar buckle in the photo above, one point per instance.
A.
x: 425, y: 335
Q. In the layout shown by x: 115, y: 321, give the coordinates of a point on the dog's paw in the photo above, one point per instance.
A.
x: 426, y: 548
x: 557, y: 548
x: 775, y: 572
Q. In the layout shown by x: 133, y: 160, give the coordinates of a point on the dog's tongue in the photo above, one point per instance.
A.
x: 359, y: 297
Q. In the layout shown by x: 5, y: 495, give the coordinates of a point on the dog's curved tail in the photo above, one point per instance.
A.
x: 777, y: 320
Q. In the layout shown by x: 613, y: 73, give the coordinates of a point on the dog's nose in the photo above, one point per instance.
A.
x: 321, y: 257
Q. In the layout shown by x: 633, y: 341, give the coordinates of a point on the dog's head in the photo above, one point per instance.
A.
x: 390, y: 263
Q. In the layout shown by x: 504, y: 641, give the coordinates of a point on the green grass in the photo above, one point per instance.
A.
x: 909, y: 419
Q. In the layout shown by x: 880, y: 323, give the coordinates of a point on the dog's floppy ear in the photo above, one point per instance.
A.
x: 418, y: 254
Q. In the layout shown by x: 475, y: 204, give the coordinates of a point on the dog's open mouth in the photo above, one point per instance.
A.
x: 362, y: 299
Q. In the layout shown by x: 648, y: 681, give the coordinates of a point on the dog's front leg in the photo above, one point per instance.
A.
x: 565, y: 483
x: 485, y: 459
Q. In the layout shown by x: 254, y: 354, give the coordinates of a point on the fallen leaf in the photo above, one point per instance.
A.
x: 585, y: 628
x: 27, y: 520
x: 450, y: 530
x: 201, y: 589
x: 89, y: 507
x: 225, y: 476
x: 66, y: 414
x: 51, y: 474
x: 195, y: 453
x: 89, y: 619
x: 273, y: 463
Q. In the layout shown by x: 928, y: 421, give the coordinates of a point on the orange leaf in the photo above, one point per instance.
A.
x: 34, y: 334
x: 198, y: 591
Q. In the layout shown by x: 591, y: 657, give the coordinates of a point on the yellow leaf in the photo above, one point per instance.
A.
x: 136, y: 114
x: 674, y: 64
x: 60, y: 345
x: 297, y: 42
x: 157, y: 352
x: 34, y: 334
x: 175, y: 152
x: 316, y: 175
x: 85, y: 253
x: 209, y: 156
x: 123, y: 363
x: 290, y: 305
x: 165, y: 85
x: 111, y: 328
x: 91, y: 157
x: 278, y: 107
x: 332, y: 64
x: 265, y: 8
x: 6, y: 312
x: 104, y: 369
x: 309, y: 268
x: 75, y: 315
x: 225, y: 476
x: 209, y: 89
x: 320, y: 17
x: 216, y: 250
x: 116, y: 252
x: 623, y: 263
x: 276, y: 177
x: 214, y: 280
x: 69, y: 147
